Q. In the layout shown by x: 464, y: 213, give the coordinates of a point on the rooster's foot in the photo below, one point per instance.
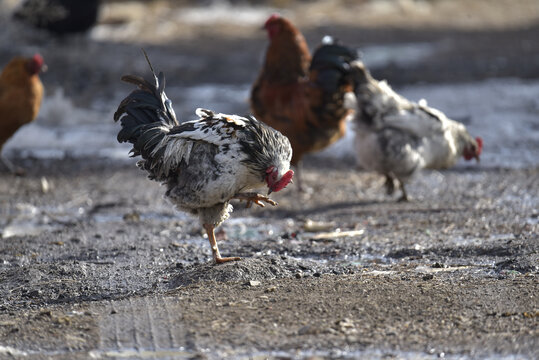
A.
x: 255, y: 198
x: 210, y: 230
x: 220, y: 260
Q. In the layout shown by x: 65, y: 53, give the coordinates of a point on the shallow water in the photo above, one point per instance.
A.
x: 504, y: 112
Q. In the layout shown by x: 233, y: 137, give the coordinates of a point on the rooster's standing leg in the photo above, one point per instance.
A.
x: 215, y: 250
x: 253, y: 197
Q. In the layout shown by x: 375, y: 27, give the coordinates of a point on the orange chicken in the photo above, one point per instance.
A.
x: 21, y: 92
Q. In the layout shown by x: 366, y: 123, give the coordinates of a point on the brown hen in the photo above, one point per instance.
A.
x: 307, y: 99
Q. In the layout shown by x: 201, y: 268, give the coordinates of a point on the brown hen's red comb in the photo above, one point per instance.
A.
x: 273, y: 17
x: 38, y: 59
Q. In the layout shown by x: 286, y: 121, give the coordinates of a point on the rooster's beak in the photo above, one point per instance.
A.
x: 269, y: 191
x: 477, y: 158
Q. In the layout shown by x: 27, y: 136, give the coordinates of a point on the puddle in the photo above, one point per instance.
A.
x: 367, y: 354
x: 27, y: 219
x: 220, y: 12
x: 484, y: 106
x: 180, y: 353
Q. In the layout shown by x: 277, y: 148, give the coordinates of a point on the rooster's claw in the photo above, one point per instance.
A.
x: 254, y: 198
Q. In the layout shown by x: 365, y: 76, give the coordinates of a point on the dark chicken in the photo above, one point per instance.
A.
x: 59, y: 17
x: 204, y: 163
x: 307, y: 99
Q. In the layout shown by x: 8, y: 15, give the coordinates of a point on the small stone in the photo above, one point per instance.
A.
x: 45, y: 312
x: 254, y: 283
x: 132, y: 217
x: 34, y: 293
x: 308, y: 330
x: 45, y: 186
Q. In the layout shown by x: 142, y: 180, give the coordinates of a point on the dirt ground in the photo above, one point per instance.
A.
x: 452, y: 273
x: 94, y: 263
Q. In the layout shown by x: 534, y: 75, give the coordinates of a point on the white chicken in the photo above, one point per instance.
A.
x: 204, y: 163
x: 397, y: 137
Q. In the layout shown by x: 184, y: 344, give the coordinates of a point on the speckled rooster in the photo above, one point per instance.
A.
x: 206, y: 162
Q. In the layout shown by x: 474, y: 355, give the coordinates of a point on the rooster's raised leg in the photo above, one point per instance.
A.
x: 215, y: 250
x: 253, y: 197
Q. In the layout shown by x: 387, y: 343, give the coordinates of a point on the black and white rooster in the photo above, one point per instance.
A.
x: 397, y: 137
x: 204, y: 163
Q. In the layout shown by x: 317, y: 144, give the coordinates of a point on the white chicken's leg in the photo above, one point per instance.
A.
x: 253, y: 197
x: 215, y: 250
x: 404, y: 197
x: 390, y: 185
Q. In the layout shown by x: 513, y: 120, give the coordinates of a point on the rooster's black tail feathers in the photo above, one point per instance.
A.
x: 146, y: 115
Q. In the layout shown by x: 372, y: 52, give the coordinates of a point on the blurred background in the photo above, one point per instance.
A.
x: 478, y: 61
